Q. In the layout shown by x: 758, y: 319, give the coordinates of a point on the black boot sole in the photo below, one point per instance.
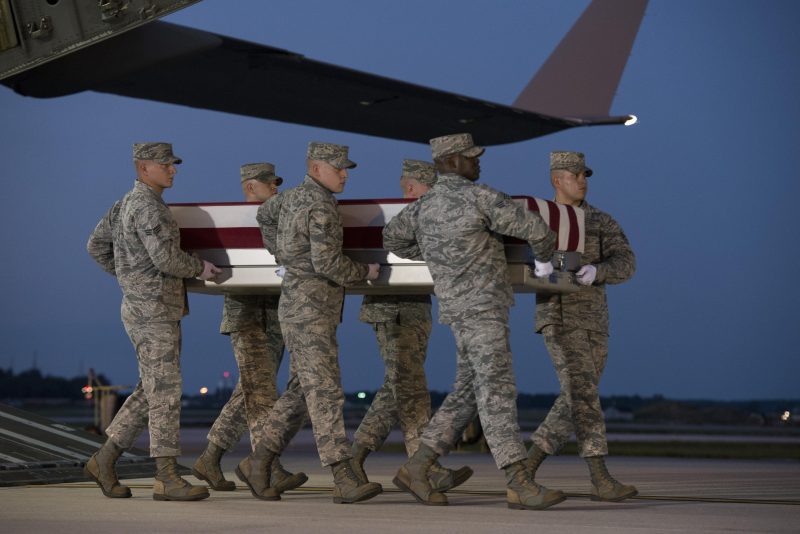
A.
x: 542, y: 506
x: 361, y: 498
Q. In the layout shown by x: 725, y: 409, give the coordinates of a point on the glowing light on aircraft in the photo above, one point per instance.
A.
x: 786, y: 416
x: 203, y: 390
x: 631, y: 121
x: 361, y: 395
x: 226, y: 374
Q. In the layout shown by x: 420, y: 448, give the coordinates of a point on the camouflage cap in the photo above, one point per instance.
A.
x: 264, y: 172
x: 422, y: 171
x: 455, y: 144
x: 158, y: 152
x: 573, y: 162
x: 336, y: 155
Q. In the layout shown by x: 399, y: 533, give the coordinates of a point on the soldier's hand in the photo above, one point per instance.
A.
x: 280, y: 272
x: 586, y: 274
x: 543, y: 268
x: 210, y: 271
x: 374, y: 271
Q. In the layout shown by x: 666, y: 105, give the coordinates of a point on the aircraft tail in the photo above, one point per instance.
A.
x: 580, y: 78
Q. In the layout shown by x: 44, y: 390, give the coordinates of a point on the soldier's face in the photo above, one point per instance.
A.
x: 413, y: 188
x: 469, y: 168
x: 330, y: 177
x: 159, y: 176
x: 258, y: 191
x: 571, y: 188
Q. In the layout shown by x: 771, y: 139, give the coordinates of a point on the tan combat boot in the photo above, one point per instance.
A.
x: 100, y: 468
x: 207, y: 468
x: 360, y: 453
x: 443, y: 479
x: 535, y: 458
x: 604, y: 486
x: 171, y: 487
x: 255, y: 471
x: 282, y: 480
x: 348, y: 487
x: 413, y: 477
x: 522, y: 493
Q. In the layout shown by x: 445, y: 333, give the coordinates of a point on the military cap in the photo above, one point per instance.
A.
x: 455, y: 144
x: 336, y: 155
x: 421, y: 171
x: 573, y: 162
x: 158, y: 152
x: 264, y: 172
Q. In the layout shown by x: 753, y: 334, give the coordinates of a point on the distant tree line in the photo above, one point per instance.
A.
x: 32, y: 384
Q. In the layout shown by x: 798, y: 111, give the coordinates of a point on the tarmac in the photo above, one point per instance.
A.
x: 675, y: 495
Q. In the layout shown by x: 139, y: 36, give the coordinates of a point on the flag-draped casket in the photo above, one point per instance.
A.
x: 227, y: 235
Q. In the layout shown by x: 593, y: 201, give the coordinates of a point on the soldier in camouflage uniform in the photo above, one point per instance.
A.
x: 138, y: 242
x: 402, y: 325
x: 575, y: 330
x: 301, y: 227
x: 251, y: 321
x: 457, y: 229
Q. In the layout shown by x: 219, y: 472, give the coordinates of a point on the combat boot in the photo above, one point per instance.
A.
x: 282, y: 480
x: 256, y: 471
x: 171, y: 487
x: 348, y: 487
x: 413, y: 477
x: 100, y: 468
x: 443, y: 479
x: 604, y: 486
x: 535, y: 458
x: 522, y: 493
x: 207, y: 468
x: 360, y: 453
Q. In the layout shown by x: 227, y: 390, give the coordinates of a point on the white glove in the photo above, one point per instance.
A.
x: 586, y: 274
x: 374, y: 271
x: 543, y: 268
x: 280, y: 272
x: 210, y: 271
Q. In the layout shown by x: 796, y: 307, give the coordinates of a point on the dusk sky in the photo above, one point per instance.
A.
x: 704, y: 186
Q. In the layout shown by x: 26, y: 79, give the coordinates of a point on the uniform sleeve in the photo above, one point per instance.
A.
x: 325, y: 239
x: 267, y: 218
x: 619, y: 263
x: 399, y: 236
x: 160, y: 236
x: 101, y: 242
x: 507, y: 217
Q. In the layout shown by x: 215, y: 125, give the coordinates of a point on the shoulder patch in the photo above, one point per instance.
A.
x: 154, y: 230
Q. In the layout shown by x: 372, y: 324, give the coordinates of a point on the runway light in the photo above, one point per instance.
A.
x: 786, y: 416
x: 361, y: 395
x: 631, y: 121
x: 203, y: 390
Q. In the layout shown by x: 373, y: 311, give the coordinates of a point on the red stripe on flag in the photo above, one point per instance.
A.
x: 555, y: 216
x: 574, y: 230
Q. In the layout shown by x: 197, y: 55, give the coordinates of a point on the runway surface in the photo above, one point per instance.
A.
x: 676, y: 495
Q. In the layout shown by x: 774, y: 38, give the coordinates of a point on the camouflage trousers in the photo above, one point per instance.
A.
x: 484, y: 383
x: 314, y: 389
x: 157, y: 396
x: 404, y: 395
x: 258, y: 354
x: 579, y: 357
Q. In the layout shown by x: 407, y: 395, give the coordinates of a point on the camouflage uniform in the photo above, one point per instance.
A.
x: 456, y: 228
x: 575, y: 329
x: 301, y: 227
x: 402, y: 325
x: 252, y: 323
x: 138, y: 241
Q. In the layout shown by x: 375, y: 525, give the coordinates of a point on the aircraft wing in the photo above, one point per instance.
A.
x: 180, y: 65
